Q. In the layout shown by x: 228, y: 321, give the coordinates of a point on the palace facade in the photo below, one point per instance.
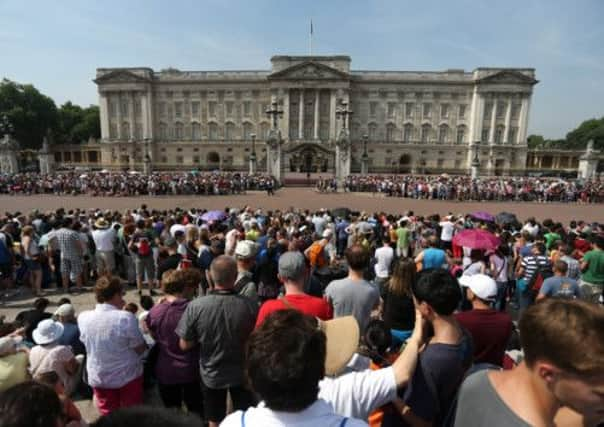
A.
x: 406, y: 121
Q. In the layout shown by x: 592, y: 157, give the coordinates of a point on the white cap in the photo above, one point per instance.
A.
x: 246, y: 249
x: 327, y: 233
x: 481, y: 285
x: 65, y: 310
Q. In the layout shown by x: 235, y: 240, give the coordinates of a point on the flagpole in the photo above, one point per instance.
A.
x: 311, y: 37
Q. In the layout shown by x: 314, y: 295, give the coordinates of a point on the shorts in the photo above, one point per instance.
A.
x: 73, y: 267
x: 105, y: 261
x: 144, y: 265
x: 32, y: 265
x: 590, y: 291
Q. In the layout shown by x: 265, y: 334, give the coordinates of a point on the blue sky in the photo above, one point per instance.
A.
x: 57, y: 45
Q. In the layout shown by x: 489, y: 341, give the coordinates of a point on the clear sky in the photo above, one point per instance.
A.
x: 57, y: 45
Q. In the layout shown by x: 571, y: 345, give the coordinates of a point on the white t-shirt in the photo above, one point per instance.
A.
x: 318, y: 414
x: 104, y: 239
x: 357, y: 394
x: 446, y: 233
x: 383, y: 257
x: 49, y: 358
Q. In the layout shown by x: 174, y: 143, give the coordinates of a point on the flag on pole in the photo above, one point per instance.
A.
x: 311, y: 27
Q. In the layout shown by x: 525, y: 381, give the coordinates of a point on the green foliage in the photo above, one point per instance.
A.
x: 589, y: 129
x: 30, y: 112
x: 535, y: 141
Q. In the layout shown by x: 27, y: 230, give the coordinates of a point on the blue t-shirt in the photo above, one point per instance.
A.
x: 560, y: 287
x: 433, y: 258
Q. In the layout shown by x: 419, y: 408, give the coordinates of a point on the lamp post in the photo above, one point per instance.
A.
x: 273, y: 112
x: 475, y: 161
x: 343, y: 112
x: 273, y: 142
x: 147, y: 158
x: 252, y: 169
x: 365, y: 156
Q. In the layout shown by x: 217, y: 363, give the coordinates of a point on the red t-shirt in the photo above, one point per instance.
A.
x: 490, y: 330
x: 307, y: 304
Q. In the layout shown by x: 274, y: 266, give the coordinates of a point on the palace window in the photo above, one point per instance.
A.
x: 163, y: 131
x: 427, y: 110
x: 425, y: 137
x: 125, y: 130
x: 515, y: 111
x: 229, y: 131
x: 112, y: 131
x: 213, y: 131
x: 444, y: 111
x: 247, y: 108
x: 178, y: 131
x: 499, y: 134
x: 248, y: 129
x: 195, y: 131
x: 512, y: 135
x: 229, y: 108
x: 485, y: 135
x: 488, y: 109
x: 195, y: 108
x: 124, y: 107
x: 196, y: 159
x: 501, y: 107
x: 373, y: 108
x: 409, y: 106
x: 137, y: 108
x: 372, y: 128
x: 162, y: 108
x: 461, y: 133
x: 443, y: 134
x: 390, y: 131
x: 462, y: 111
x: 112, y: 109
x: 391, y: 109
x: 138, y: 131
x: 212, y: 108
x: 178, y: 109
x: 179, y: 160
x: 407, y: 133
x: 263, y: 130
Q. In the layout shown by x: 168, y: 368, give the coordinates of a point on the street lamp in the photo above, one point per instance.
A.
x: 365, y: 157
x: 273, y: 112
x: 365, y: 139
x: 475, y: 165
x: 253, y: 155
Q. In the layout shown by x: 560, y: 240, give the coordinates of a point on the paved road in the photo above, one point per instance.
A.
x: 309, y: 199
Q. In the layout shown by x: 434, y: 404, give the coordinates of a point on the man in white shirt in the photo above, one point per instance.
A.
x: 383, y: 260
x: 447, y: 228
x: 114, y: 345
x: 104, y: 240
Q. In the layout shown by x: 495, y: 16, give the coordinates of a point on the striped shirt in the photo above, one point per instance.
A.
x: 531, y: 263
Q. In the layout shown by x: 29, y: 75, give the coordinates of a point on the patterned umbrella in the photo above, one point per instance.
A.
x: 506, y: 218
x: 214, y: 216
x: 476, y: 239
x: 483, y: 216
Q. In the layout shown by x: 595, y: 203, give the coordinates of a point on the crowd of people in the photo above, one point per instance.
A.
x: 302, y: 318
x: 463, y: 188
x: 106, y: 183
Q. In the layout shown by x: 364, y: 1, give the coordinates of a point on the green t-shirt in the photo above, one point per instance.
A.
x: 403, y: 237
x: 595, y: 267
x: 550, y: 238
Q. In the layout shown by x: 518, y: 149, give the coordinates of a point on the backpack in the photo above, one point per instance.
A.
x: 316, y: 256
x: 544, y: 271
x: 144, y: 248
x: 5, y: 256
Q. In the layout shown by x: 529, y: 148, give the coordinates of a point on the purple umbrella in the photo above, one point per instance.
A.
x: 483, y: 216
x: 214, y: 216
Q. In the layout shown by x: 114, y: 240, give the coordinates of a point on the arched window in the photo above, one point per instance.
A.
x: 179, y: 131
x: 443, y: 134
x: 264, y: 127
x: 499, y: 134
x: 195, y: 131
x: 390, y: 132
x: 213, y: 158
x: 248, y: 129
x: 461, y: 134
x: 356, y: 130
x: 213, y: 131
x: 125, y: 130
x: 229, y: 131
x: 407, y: 133
x: 426, y: 129
x: 163, y: 131
x: 372, y: 131
x: 112, y: 131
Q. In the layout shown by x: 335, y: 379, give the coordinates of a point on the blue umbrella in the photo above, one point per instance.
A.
x: 214, y: 216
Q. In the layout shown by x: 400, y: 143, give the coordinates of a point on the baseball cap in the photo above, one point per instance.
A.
x: 343, y: 336
x: 481, y: 285
x: 246, y: 249
x: 327, y: 233
x: 65, y: 310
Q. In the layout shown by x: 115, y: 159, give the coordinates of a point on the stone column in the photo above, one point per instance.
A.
x: 119, y: 115
x: 508, y: 121
x: 284, y: 124
x: 332, y: 115
x: 131, y: 115
x: 524, y: 116
x: 301, y: 119
x: 474, y: 133
x: 492, y: 125
x: 104, y: 113
x: 144, y: 116
x: 316, y: 122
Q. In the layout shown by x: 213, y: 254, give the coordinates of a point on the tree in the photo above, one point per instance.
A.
x: 535, y: 141
x: 77, y: 124
x: 589, y: 129
x: 30, y: 112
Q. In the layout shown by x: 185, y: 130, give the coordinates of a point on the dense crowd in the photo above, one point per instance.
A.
x: 463, y: 188
x: 304, y: 318
x: 107, y: 183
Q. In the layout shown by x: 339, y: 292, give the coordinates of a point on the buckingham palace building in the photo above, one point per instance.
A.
x: 393, y: 121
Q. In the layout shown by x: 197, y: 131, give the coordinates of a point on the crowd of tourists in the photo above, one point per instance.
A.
x: 106, y: 183
x: 463, y: 188
x: 302, y: 318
